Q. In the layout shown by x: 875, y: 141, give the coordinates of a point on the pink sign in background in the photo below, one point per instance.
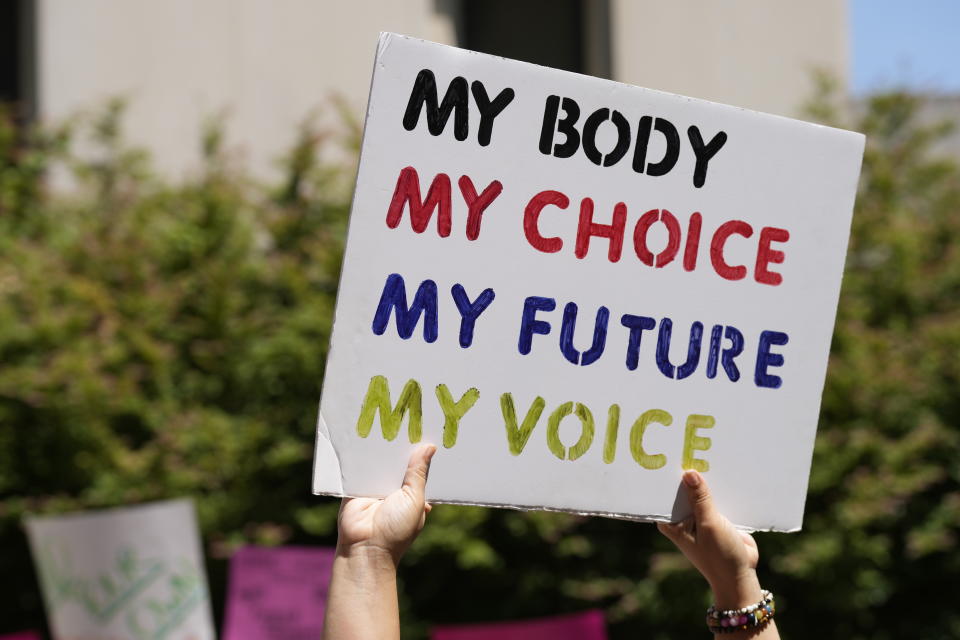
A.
x: 23, y: 635
x: 588, y: 625
x: 277, y: 593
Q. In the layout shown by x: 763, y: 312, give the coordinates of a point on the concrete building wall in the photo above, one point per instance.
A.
x: 757, y: 54
x: 263, y: 65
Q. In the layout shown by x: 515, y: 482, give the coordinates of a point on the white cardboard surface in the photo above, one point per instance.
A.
x: 771, y: 172
x: 134, y: 572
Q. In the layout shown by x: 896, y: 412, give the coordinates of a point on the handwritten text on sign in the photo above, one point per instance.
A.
x: 671, y: 229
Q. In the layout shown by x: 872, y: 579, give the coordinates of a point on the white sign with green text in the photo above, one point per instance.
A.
x: 133, y: 572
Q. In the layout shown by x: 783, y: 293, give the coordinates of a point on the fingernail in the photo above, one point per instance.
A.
x: 691, y: 478
x: 431, y: 449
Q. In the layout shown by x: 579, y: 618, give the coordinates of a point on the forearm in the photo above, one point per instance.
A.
x: 741, y: 592
x: 362, y: 602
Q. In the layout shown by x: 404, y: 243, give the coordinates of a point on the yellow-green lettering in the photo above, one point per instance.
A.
x: 377, y: 400
x: 644, y: 459
x: 453, y: 411
x: 613, y: 427
x: 586, y: 434
x: 517, y: 436
x: 692, y: 442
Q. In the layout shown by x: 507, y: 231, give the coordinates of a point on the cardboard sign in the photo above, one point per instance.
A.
x: 135, y: 572
x: 577, y: 288
x: 588, y: 625
x: 277, y: 593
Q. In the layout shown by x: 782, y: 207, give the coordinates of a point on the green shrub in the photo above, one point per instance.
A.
x: 162, y: 339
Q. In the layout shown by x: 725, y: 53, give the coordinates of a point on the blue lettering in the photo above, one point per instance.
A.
x: 470, y: 311
x: 736, y: 339
x: 766, y: 359
x: 529, y: 324
x: 637, y: 325
x: 693, y: 350
x: 394, y: 296
x: 599, y: 335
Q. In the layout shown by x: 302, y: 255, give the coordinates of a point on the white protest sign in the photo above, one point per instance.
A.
x: 577, y: 288
x: 134, y: 572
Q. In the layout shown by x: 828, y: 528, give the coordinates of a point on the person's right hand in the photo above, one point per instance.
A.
x: 727, y: 558
x: 372, y: 535
x: 388, y: 525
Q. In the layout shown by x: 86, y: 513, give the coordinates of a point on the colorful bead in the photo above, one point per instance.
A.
x: 748, y: 617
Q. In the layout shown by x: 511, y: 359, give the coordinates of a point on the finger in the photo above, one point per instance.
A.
x: 677, y: 532
x: 427, y: 507
x: 415, y: 478
x: 354, y: 504
x: 669, y: 529
x: 699, y: 495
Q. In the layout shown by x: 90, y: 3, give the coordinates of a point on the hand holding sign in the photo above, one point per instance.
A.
x: 371, y: 536
x: 388, y: 525
x: 727, y: 558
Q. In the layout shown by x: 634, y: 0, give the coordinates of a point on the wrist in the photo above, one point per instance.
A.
x: 362, y: 601
x: 364, y: 558
x: 736, y: 591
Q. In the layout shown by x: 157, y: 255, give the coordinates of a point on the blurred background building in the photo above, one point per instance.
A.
x: 265, y: 66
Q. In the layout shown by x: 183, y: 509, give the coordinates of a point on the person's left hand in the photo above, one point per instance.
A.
x: 727, y: 558
x: 389, y: 524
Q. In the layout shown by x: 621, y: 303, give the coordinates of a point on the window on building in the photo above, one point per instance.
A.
x: 565, y: 34
x: 16, y: 54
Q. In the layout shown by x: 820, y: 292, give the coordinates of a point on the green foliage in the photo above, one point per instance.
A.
x: 166, y: 339
x: 883, y: 512
x: 161, y: 340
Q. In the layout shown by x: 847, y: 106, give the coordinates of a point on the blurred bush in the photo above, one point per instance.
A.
x: 162, y: 339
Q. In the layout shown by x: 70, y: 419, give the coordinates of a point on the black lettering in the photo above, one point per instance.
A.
x: 550, y: 108
x: 425, y: 93
x: 590, y: 127
x: 489, y: 110
x: 704, y: 152
x: 670, y: 156
x: 571, y: 141
x: 643, y: 137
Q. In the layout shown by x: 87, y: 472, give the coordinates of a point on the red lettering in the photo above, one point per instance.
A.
x: 693, y: 241
x: 766, y: 255
x: 587, y: 228
x: 476, y: 205
x: 613, y: 231
x: 408, y: 192
x: 640, y: 238
x: 531, y: 215
x: 716, y: 248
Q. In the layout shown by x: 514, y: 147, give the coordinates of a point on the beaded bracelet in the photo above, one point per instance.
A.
x: 750, y: 617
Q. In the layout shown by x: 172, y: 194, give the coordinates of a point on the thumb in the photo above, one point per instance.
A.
x: 699, y: 495
x: 415, y: 478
